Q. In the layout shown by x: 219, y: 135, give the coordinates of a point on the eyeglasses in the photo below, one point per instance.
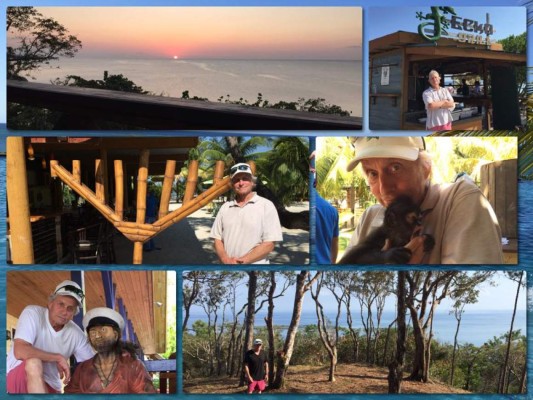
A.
x: 73, y: 289
x: 236, y: 168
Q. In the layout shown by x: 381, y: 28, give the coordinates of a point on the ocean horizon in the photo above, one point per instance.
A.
x: 339, y: 82
x: 477, y: 327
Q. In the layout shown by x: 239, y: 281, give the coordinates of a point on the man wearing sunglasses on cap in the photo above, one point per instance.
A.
x: 457, y: 215
x: 245, y: 228
x: 44, y: 340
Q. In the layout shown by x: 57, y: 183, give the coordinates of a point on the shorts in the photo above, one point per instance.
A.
x: 446, y: 127
x: 16, y: 381
x: 260, y: 385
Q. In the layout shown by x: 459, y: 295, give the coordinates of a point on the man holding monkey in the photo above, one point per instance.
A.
x: 457, y: 215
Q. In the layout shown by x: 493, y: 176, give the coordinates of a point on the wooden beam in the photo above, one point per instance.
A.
x: 99, y: 180
x: 192, y: 180
x: 119, y: 189
x: 477, y: 54
x: 142, y: 176
x: 166, y: 191
x: 18, y: 202
x: 160, y: 306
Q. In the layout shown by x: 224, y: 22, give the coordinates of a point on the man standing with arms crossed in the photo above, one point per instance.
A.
x: 246, y: 228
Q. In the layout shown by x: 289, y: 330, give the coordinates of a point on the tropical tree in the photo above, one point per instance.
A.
x: 425, y: 291
x: 517, y: 44
x: 230, y: 149
x: 304, y: 281
x: 35, y: 40
x: 286, y: 168
x: 461, y: 299
x: 329, y: 339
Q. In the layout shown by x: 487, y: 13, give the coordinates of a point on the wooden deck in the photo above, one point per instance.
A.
x: 158, y: 112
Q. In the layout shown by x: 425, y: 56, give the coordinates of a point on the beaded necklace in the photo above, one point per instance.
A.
x: 105, y: 379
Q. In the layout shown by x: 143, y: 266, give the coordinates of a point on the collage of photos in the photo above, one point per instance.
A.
x: 283, y: 201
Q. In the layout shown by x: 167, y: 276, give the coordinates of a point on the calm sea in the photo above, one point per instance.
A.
x: 476, y: 327
x: 338, y: 82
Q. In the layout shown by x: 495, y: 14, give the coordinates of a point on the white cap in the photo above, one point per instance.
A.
x: 240, y: 168
x: 72, y: 289
x: 402, y: 147
x: 102, y: 316
x: 257, y: 341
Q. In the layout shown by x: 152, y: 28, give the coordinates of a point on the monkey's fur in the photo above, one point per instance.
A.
x: 402, y: 217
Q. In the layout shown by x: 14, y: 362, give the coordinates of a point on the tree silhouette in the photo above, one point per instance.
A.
x: 36, y: 40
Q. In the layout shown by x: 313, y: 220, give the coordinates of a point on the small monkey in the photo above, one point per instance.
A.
x: 402, y: 217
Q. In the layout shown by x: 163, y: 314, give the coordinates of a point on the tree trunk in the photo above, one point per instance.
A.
x: 250, y: 317
x: 189, y: 299
x: 270, y: 326
x: 353, y: 333
x: 332, y: 365
x: 419, y: 359
x: 510, y: 336
x: 459, y: 317
x: 329, y: 345
x: 386, y: 346
x: 395, y: 376
x: 284, y: 357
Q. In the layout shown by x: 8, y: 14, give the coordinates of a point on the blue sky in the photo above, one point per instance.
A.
x: 501, y: 296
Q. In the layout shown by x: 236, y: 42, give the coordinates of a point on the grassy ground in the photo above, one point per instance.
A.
x: 351, y: 378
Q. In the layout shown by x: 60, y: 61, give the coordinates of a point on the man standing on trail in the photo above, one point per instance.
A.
x: 256, y: 367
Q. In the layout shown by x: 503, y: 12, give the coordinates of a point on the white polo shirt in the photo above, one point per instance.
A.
x: 243, y: 228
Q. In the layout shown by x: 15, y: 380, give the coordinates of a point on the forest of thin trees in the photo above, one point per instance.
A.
x: 354, y: 333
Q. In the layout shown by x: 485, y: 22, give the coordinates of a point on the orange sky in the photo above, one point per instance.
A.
x: 215, y: 32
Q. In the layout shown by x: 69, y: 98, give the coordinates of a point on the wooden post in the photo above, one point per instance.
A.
x: 219, y: 171
x: 18, y: 202
x: 76, y: 170
x: 137, y: 253
x: 119, y: 189
x: 192, y: 181
x: 99, y: 189
x: 103, y: 166
x: 142, y: 177
x: 167, y: 187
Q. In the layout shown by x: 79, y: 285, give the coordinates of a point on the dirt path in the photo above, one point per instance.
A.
x: 351, y: 378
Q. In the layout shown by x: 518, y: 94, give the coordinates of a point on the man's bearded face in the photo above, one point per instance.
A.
x: 103, y: 338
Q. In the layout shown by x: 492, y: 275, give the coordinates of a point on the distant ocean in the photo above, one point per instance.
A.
x: 477, y: 327
x: 338, y: 82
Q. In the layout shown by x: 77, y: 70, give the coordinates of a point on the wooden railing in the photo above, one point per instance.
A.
x: 158, y: 112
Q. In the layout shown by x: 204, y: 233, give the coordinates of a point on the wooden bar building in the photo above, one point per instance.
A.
x: 399, y: 65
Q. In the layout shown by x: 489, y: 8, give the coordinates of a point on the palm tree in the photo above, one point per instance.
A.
x: 230, y: 149
x: 293, y: 153
x: 286, y: 168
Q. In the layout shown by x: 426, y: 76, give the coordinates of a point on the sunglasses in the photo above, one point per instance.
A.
x: 236, y: 168
x: 73, y: 289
